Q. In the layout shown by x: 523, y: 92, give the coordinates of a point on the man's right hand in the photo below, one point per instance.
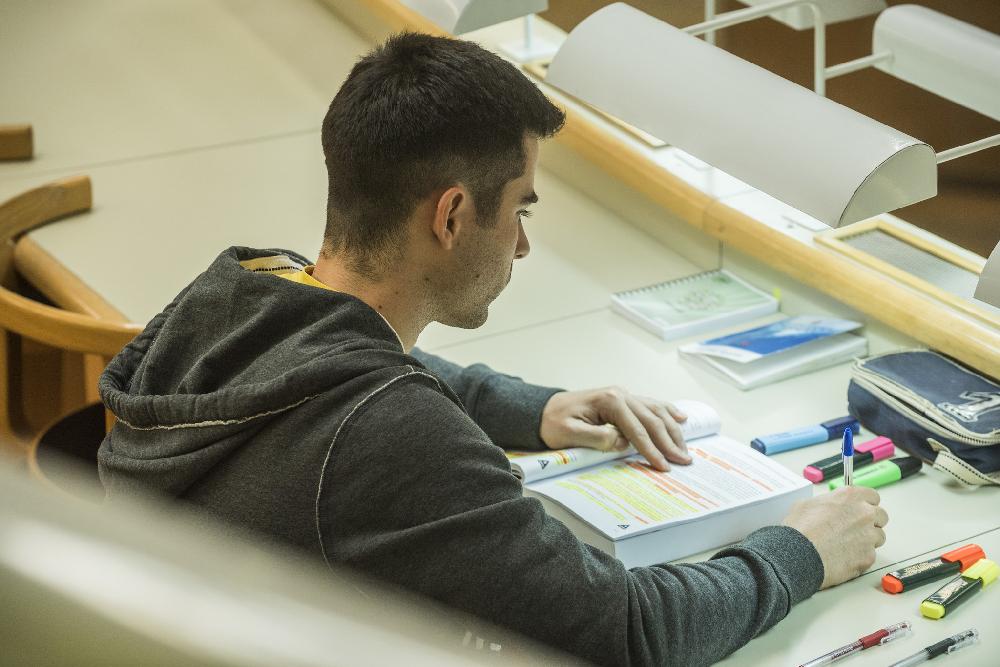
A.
x: 845, y: 526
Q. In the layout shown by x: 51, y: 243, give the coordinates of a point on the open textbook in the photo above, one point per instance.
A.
x: 616, y: 502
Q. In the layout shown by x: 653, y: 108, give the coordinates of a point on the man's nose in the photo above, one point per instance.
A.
x: 523, y: 247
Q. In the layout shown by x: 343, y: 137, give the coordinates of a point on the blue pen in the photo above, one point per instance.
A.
x: 807, y: 435
x: 848, y: 454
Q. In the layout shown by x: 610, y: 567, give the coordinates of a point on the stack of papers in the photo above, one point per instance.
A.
x: 784, y: 349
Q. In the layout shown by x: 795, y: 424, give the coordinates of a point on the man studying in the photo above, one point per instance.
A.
x: 288, y: 399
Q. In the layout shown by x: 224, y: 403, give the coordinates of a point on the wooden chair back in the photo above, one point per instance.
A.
x: 63, y: 457
x: 22, y: 317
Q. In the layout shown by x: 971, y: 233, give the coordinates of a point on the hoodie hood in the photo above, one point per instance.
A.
x: 238, y: 347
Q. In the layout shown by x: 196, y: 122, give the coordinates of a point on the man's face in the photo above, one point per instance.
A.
x: 485, y: 255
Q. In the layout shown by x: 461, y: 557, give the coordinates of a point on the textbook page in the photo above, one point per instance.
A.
x: 702, y: 420
x: 625, y: 498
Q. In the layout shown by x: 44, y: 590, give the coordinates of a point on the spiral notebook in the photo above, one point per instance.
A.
x: 694, y: 304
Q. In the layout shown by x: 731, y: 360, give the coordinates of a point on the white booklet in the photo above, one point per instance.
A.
x: 780, y: 350
x: 616, y: 502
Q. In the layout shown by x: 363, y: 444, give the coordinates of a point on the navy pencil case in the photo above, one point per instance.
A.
x: 934, y: 408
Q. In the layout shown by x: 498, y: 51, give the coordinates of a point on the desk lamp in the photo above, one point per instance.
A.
x: 941, y: 54
x: 988, y: 289
x: 461, y: 16
x: 934, y: 51
x: 818, y: 156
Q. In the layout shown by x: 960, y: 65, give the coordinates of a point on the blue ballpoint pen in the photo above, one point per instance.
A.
x: 848, y: 454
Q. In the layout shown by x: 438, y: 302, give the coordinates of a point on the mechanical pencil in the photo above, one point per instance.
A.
x: 877, y: 638
x: 949, y: 645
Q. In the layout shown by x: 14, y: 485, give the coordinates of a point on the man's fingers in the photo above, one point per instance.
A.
x: 635, y: 432
x: 881, y: 517
x: 675, y: 412
x: 673, y: 428
x: 662, y: 429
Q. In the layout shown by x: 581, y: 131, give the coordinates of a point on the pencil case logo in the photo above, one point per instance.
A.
x: 978, y: 403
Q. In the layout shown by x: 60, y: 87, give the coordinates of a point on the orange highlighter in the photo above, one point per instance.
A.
x: 946, y: 565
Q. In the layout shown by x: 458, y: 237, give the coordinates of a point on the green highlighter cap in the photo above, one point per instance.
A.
x: 882, y: 473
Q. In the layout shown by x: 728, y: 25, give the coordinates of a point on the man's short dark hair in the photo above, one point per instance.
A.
x: 417, y: 114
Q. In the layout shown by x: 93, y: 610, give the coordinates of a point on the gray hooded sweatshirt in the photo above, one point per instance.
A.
x: 293, y: 411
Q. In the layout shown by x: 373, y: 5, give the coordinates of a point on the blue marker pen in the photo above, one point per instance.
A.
x: 807, y: 435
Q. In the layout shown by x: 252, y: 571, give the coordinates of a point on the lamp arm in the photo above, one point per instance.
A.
x: 709, y: 15
x: 751, y: 13
x: 855, y: 65
x: 968, y: 149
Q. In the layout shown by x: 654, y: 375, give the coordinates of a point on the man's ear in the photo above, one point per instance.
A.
x: 453, y: 213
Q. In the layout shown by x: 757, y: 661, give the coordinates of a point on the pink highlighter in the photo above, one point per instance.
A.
x: 865, y: 454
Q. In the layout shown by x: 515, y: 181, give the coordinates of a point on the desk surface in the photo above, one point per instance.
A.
x: 168, y: 199
x: 106, y: 81
x: 927, y: 512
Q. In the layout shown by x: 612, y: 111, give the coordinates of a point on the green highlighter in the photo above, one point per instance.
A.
x: 882, y: 473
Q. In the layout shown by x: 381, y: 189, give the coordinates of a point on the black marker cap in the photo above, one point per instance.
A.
x: 908, y: 465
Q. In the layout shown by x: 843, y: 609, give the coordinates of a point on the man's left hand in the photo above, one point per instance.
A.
x: 613, y: 418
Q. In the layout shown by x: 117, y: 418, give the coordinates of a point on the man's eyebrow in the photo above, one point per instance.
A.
x: 529, y: 198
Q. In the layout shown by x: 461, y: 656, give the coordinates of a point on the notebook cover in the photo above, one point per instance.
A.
x: 693, y: 304
x: 774, y: 338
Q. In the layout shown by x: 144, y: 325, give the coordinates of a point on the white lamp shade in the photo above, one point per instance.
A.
x: 988, y: 289
x: 461, y: 16
x: 814, y: 154
x: 948, y: 57
x: 834, y: 11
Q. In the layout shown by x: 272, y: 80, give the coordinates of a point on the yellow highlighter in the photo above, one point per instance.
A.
x: 960, y: 589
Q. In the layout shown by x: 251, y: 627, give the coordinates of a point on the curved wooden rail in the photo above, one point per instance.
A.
x: 97, y: 338
x: 38, y: 321
x: 44, y: 204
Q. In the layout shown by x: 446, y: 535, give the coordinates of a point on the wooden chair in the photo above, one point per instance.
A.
x: 63, y: 457
x: 24, y: 319
x: 16, y: 142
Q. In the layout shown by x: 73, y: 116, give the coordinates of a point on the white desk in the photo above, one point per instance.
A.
x: 928, y: 514
x: 841, y: 615
x: 105, y: 81
x: 596, y: 349
x: 240, y: 163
